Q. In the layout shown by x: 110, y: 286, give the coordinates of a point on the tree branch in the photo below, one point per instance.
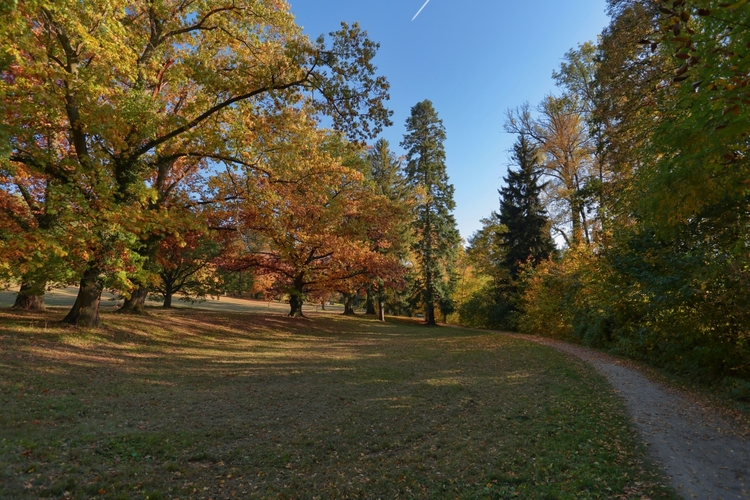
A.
x: 210, y: 112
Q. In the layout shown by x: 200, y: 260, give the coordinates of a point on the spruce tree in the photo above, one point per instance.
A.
x: 527, y: 237
x: 436, y: 238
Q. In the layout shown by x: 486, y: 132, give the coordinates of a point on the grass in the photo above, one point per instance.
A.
x: 195, y: 404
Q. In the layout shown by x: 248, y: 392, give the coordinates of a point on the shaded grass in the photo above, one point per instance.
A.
x: 191, y: 404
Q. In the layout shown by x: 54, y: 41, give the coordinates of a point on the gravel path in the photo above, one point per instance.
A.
x: 704, y: 453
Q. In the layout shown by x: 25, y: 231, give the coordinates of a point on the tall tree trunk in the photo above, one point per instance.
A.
x: 295, y: 298
x: 429, y: 295
x: 31, y: 296
x: 381, y: 308
x: 295, y: 303
x: 349, y: 304
x: 429, y: 309
x: 430, y: 315
x: 168, y: 293
x: 85, y: 311
x: 322, y: 305
x: 370, y: 303
x: 136, y: 303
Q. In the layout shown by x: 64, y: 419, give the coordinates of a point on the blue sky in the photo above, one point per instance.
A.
x: 473, y: 59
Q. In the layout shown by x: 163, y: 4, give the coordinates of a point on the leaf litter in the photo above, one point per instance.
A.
x: 188, y: 404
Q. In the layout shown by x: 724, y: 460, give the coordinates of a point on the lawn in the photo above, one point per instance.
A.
x: 199, y: 404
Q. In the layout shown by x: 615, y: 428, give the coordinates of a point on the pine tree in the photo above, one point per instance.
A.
x: 527, y: 237
x: 436, y: 237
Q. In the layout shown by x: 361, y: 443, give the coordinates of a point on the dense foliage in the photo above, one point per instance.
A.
x: 117, y: 114
x: 436, y: 236
x: 166, y: 146
x: 645, y: 152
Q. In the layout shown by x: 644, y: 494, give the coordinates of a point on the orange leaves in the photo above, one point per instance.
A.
x: 307, y: 215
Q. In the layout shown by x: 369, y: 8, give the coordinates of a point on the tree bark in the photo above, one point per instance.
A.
x: 296, y: 298
x: 348, y: 304
x: 136, y: 303
x: 429, y: 309
x: 370, y: 303
x: 381, y: 309
x: 295, y: 303
x: 168, y: 293
x: 85, y: 311
x: 430, y: 315
x: 31, y: 296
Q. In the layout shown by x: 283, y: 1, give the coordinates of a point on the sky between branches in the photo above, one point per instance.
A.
x: 473, y: 59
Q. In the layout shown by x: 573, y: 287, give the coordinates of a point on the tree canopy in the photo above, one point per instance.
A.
x: 435, y: 235
x: 111, y: 106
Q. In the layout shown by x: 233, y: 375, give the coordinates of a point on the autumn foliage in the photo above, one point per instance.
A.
x: 308, y: 216
x: 115, y: 113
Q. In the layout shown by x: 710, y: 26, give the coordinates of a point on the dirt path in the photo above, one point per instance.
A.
x: 703, y: 453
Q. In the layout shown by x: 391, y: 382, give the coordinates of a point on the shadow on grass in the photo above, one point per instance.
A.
x: 205, y: 404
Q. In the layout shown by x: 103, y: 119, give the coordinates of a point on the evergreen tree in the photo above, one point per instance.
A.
x: 436, y: 238
x: 387, y: 172
x: 526, y: 237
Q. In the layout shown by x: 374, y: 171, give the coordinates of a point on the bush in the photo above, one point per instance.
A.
x: 680, y: 304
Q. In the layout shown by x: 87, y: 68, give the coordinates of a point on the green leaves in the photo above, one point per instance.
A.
x: 436, y: 237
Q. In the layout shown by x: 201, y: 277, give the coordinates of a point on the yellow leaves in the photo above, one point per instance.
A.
x: 305, y: 202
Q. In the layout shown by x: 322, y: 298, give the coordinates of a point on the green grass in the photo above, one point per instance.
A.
x: 192, y: 404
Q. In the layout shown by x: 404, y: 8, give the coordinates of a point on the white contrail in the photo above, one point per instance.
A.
x: 420, y: 10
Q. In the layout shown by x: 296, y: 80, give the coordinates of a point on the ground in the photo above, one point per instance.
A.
x: 704, y: 449
x: 203, y: 404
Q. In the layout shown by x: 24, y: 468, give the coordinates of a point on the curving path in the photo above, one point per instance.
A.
x: 704, y: 454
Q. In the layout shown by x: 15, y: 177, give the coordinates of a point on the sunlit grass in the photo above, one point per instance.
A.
x: 206, y: 405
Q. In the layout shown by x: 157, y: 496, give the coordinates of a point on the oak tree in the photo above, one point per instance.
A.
x: 130, y: 92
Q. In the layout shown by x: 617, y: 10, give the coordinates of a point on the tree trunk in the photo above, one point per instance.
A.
x: 429, y: 308
x: 381, y: 309
x: 168, y: 293
x: 370, y: 304
x: 429, y: 315
x: 31, y: 296
x: 136, y: 303
x: 296, y: 297
x: 349, y: 304
x: 295, y: 303
x: 322, y: 305
x: 85, y: 311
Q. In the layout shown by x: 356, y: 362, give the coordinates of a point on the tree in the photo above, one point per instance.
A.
x: 671, y: 283
x: 561, y: 134
x: 37, y: 233
x: 127, y: 95
x: 186, y: 265
x: 386, y: 173
x: 509, y: 243
x: 698, y: 153
x: 488, y: 275
x: 436, y: 238
x: 307, y: 216
x: 578, y: 76
x: 525, y: 236
x: 630, y: 70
